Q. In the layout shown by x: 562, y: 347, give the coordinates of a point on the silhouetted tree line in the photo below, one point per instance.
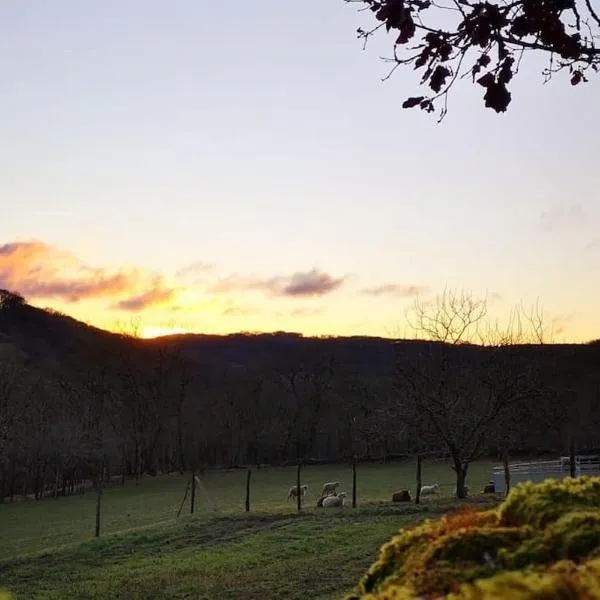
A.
x: 148, y: 408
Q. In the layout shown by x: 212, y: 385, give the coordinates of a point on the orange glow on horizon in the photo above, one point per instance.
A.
x: 154, y: 332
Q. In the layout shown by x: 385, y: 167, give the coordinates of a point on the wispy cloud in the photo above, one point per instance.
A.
x: 300, y: 284
x: 396, y: 289
x: 559, y: 217
x: 158, y: 295
x: 560, y: 323
x: 194, y: 272
x: 307, y: 311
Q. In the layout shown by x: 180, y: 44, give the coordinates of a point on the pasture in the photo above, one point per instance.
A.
x: 220, y: 551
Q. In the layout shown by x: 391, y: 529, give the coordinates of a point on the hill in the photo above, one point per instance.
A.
x: 74, y: 398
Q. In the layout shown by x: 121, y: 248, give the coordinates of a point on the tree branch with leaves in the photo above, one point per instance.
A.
x: 450, y: 40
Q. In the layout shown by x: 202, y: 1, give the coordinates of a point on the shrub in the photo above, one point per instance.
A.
x: 542, y: 543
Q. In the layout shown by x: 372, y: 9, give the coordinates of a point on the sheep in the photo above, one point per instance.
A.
x: 293, y: 491
x: 427, y: 490
x: 401, y: 496
x: 329, y: 488
x: 320, y: 500
x: 490, y: 488
x: 334, y: 501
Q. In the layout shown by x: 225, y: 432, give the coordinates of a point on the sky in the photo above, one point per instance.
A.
x: 231, y: 166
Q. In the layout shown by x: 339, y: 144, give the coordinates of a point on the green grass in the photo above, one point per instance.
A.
x: 220, y: 552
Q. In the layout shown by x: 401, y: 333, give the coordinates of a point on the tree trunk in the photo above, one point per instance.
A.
x: 460, y: 468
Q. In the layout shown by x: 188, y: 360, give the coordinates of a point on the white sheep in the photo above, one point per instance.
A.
x: 334, y: 501
x: 293, y: 491
x: 427, y: 490
x: 330, y: 488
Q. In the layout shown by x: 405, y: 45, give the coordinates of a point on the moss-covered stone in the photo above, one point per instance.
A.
x: 541, y: 544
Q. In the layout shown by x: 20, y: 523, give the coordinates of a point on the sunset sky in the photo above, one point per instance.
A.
x: 225, y: 166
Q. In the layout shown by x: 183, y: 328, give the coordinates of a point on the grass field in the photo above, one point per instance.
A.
x: 220, y: 551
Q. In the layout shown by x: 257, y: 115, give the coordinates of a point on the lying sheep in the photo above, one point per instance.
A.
x: 490, y: 488
x: 293, y: 491
x: 401, y: 496
x: 334, y: 501
x: 330, y: 488
x: 427, y: 490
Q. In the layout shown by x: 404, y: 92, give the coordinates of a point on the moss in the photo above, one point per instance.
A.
x: 542, y: 543
x: 538, y: 505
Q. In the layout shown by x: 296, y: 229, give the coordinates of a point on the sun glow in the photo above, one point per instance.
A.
x: 154, y: 332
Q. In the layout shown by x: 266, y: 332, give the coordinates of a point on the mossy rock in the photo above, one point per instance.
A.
x: 542, y: 542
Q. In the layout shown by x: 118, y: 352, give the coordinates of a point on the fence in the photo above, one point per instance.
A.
x: 538, y: 471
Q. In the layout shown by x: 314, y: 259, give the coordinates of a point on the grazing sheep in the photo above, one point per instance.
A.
x: 293, y: 491
x: 330, y: 488
x: 427, y: 490
x: 490, y: 488
x: 334, y: 501
x: 320, y: 500
x: 401, y: 496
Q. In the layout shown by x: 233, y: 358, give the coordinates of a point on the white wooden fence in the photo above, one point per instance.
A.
x: 538, y: 471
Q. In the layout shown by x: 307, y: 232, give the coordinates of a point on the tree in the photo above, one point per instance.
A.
x: 455, y: 391
x: 486, y: 41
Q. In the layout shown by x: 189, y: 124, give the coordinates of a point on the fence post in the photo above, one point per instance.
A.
x: 572, y: 460
x: 187, y: 489
x: 99, y: 497
x: 299, y: 494
x: 248, y: 476
x: 418, y: 492
x: 193, y: 497
x: 98, y: 505
x: 354, y: 482
x: 506, y: 473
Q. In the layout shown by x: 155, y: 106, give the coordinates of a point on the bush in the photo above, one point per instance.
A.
x: 543, y: 542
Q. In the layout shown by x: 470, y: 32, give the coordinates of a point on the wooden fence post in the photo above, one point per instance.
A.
x: 98, y: 505
x: 299, y: 494
x: 193, y: 497
x: 354, y: 482
x: 572, y: 459
x: 187, y: 489
x: 506, y: 473
x: 248, y: 476
x: 418, y: 492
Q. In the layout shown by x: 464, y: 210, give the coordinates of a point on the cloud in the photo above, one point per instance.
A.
x: 300, y: 284
x: 233, y: 309
x: 592, y: 245
x: 195, y: 271
x: 559, y: 217
x: 396, y: 289
x: 38, y: 270
x: 560, y: 323
x: 158, y: 295
x: 306, y: 312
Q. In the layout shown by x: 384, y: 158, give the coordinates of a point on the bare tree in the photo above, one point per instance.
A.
x: 308, y: 381
x: 454, y: 390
